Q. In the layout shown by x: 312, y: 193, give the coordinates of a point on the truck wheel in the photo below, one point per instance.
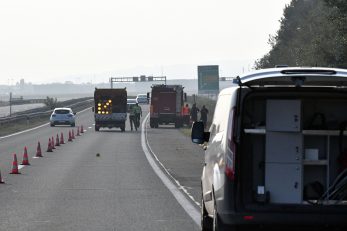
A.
x: 97, y: 128
x: 151, y: 124
x: 122, y: 127
x: 177, y: 124
x: 156, y: 125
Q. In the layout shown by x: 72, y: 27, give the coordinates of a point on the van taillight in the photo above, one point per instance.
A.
x: 230, y: 157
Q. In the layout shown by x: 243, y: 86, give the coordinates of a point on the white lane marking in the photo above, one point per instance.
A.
x: 35, y: 157
x: 181, y: 199
x: 93, y: 124
x: 31, y: 129
x: 21, y: 166
x: 179, y: 185
x: 89, y: 127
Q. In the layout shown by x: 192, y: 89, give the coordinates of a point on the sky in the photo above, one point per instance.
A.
x: 45, y: 41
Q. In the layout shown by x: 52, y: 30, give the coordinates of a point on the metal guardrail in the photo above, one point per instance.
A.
x: 28, y: 116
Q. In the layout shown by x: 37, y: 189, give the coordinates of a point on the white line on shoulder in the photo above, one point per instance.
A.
x: 181, y: 199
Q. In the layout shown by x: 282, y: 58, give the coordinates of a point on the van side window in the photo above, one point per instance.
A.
x: 221, y: 114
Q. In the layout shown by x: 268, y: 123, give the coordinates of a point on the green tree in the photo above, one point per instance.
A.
x: 51, y: 102
x: 312, y: 33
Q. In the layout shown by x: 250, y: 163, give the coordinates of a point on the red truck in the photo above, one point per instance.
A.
x: 166, y: 105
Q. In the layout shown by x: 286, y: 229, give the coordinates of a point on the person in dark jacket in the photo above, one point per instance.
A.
x: 203, y: 115
x: 194, y: 113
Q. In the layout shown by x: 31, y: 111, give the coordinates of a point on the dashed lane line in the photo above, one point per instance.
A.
x: 152, y: 159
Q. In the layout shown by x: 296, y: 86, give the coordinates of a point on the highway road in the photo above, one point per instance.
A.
x: 74, y: 189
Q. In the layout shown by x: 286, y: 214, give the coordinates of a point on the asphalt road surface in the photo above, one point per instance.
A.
x: 74, y: 189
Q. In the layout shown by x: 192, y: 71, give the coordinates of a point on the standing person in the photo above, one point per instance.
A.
x: 186, y: 114
x: 132, y: 117
x: 203, y: 115
x: 194, y: 113
x: 138, y: 114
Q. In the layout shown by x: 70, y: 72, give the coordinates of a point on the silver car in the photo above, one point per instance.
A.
x: 142, y: 98
x: 62, y: 116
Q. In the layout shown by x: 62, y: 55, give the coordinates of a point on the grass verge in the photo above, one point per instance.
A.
x: 210, y: 104
x: 22, y: 125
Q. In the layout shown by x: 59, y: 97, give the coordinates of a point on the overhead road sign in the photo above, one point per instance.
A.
x: 208, y: 79
x: 141, y: 78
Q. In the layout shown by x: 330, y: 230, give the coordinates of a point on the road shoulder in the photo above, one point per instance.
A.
x: 182, y: 159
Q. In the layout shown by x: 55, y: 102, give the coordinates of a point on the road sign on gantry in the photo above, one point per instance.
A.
x: 208, y: 79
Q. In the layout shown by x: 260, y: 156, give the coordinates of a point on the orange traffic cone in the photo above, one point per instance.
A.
x: 57, y: 143
x: 82, y: 131
x: 62, y: 138
x: 15, y: 165
x: 25, y: 157
x: 49, y: 147
x: 52, y: 143
x: 78, y: 131
x: 15, y: 158
x: 1, y: 180
x: 70, y: 137
x: 38, y: 150
x: 73, y: 134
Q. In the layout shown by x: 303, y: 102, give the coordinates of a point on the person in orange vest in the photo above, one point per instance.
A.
x: 186, y: 114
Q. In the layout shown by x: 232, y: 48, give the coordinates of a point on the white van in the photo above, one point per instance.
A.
x: 276, y: 152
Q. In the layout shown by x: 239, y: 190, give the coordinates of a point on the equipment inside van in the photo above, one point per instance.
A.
x: 277, y: 152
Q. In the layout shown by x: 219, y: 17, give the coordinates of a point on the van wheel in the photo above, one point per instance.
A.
x: 206, y: 221
x: 218, y: 224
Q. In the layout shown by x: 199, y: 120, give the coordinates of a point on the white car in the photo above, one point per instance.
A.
x: 62, y: 116
x: 142, y: 98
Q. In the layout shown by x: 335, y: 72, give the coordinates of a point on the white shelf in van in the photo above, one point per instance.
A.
x: 304, y: 132
x: 255, y: 131
x: 315, y: 162
x: 323, y: 132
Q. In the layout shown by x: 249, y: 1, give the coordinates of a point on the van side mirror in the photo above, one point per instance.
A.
x: 185, y: 97
x: 93, y: 109
x: 199, y: 136
x: 75, y: 113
